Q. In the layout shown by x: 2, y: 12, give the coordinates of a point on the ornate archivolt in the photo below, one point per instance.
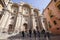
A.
x: 26, y: 9
x: 15, y: 8
x: 36, y: 12
x: 57, y: 4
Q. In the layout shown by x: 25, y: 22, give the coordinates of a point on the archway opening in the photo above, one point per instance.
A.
x: 10, y: 29
x: 26, y: 26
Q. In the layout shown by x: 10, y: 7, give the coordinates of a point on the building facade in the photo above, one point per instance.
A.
x: 52, y: 15
x: 18, y: 17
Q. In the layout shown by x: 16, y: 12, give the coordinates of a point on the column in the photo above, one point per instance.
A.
x: 39, y: 21
x: 1, y: 20
x: 4, y: 20
x: 7, y: 22
x: 19, y: 20
x: 33, y: 19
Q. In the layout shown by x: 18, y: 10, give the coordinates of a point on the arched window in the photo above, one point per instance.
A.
x: 58, y: 6
x: 10, y: 29
x: 10, y: 26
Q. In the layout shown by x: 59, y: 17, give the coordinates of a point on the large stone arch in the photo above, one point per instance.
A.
x: 15, y: 5
x: 28, y: 6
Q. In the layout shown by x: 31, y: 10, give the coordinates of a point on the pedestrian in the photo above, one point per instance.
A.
x: 38, y: 33
x: 30, y: 32
x: 47, y: 35
x: 34, y: 32
x: 23, y: 34
x: 43, y: 31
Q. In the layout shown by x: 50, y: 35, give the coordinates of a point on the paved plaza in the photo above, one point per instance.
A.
x: 19, y: 37
x: 33, y: 38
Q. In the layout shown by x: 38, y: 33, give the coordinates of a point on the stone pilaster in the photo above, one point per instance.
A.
x: 4, y: 20
x: 33, y: 19
x: 19, y: 20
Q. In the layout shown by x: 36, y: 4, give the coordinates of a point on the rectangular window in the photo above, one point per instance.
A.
x: 51, y: 16
x: 55, y: 0
x: 58, y: 6
x: 54, y: 22
x: 59, y: 19
x: 50, y: 13
x: 58, y: 28
x: 1, y: 15
x: 49, y: 24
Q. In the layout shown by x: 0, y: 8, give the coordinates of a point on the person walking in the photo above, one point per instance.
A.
x: 23, y: 34
x: 47, y: 35
x: 38, y: 32
x: 30, y: 32
x: 34, y: 32
x: 43, y: 33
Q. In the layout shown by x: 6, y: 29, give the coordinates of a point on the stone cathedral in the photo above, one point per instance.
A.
x: 16, y: 17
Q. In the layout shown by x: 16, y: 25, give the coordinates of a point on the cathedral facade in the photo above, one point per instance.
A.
x: 18, y: 17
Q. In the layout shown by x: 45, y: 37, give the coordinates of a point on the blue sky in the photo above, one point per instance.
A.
x: 40, y: 4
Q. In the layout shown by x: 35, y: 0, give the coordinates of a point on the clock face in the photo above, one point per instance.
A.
x: 1, y: 7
